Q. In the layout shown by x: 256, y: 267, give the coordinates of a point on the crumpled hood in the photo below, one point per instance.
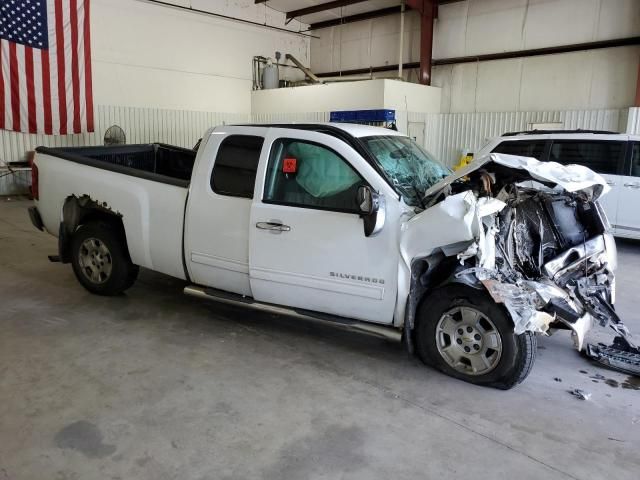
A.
x: 572, y: 178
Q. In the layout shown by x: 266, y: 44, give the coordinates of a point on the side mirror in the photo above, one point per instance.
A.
x: 368, y: 201
x: 372, y: 210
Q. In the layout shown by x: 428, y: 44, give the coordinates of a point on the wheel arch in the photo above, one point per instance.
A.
x: 427, y: 274
x: 77, y: 211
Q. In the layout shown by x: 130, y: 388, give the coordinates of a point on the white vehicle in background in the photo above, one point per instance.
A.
x: 351, y: 224
x: 613, y: 155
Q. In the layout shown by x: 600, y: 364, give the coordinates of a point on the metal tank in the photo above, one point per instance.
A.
x: 270, y: 76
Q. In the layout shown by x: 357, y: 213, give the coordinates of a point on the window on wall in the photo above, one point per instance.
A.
x: 599, y: 156
x: 533, y: 149
x: 308, y: 175
x: 234, y: 171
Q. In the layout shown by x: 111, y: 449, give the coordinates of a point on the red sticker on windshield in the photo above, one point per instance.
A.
x: 290, y: 165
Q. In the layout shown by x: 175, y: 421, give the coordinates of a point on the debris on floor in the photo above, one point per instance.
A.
x: 557, y: 379
x: 581, y: 394
x: 621, y: 355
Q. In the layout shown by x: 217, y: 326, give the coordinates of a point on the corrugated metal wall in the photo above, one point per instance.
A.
x: 444, y: 135
x: 290, y: 117
x: 141, y: 125
x: 633, y: 122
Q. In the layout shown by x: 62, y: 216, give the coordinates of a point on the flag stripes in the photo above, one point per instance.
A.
x: 45, y: 67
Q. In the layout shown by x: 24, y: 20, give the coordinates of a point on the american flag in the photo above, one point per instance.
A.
x: 45, y: 74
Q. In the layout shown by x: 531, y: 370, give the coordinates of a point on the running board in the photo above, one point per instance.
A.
x: 390, y: 333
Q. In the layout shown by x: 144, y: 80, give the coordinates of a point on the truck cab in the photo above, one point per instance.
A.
x: 277, y: 219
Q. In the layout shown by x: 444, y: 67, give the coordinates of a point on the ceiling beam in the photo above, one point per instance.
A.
x: 321, y: 8
x: 383, y: 12
x: 577, y: 47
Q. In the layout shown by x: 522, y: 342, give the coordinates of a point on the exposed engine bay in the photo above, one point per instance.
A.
x: 539, y: 241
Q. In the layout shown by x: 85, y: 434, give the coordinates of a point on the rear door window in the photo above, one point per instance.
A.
x: 526, y: 148
x: 234, y: 171
x: 600, y: 156
x: 635, y: 159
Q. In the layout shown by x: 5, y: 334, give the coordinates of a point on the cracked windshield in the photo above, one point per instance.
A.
x: 407, y: 166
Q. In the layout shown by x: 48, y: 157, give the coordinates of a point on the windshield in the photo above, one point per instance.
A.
x: 407, y: 166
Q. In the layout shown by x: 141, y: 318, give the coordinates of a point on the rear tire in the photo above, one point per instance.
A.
x: 462, y: 332
x: 100, y: 259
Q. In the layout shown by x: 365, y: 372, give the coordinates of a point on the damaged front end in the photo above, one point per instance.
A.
x: 540, y: 242
x: 554, y: 261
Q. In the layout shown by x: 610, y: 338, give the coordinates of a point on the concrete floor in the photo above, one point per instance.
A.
x: 156, y: 385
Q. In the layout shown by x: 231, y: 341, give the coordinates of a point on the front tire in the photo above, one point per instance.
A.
x: 100, y: 259
x: 462, y: 332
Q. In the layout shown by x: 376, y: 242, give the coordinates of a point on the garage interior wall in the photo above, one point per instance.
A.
x: 587, y: 89
x: 165, y: 74
x: 603, y: 78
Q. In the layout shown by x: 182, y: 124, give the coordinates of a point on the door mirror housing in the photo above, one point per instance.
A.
x: 372, y: 210
x: 368, y: 201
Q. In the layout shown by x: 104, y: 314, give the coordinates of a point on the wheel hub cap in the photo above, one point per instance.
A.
x: 468, y: 341
x: 95, y: 260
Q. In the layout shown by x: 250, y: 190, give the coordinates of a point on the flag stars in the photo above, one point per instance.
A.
x: 25, y: 22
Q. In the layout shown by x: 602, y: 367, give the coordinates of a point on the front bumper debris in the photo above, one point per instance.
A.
x: 616, y: 356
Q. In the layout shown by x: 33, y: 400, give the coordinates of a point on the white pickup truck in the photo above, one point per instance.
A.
x: 345, y: 223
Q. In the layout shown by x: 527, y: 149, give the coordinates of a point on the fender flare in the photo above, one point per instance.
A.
x: 428, y: 274
x: 79, y: 210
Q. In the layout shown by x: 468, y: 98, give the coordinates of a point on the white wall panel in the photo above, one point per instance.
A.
x: 290, y: 117
x: 595, y: 79
x: 444, y: 135
x: 476, y: 27
x: 141, y: 125
x: 633, y: 121
x: 448, y: 134
x: 149, y: 55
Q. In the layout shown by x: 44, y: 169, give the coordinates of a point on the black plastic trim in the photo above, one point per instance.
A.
x: 64, y: 244
x: 548, y: 132
x: 36, y: 219
x: 65, y: 154
x: 184, y: 231
x: 312, y: 207
x: 628, y: 166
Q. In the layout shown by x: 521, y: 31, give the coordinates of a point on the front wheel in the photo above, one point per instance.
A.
x: 464, y: 333
x: 100, y: 259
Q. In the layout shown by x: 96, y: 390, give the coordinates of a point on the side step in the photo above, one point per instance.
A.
x: 390, y: 333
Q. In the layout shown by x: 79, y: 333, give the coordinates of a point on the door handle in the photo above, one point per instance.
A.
x: 612, y: 184
x: 632, y: 185
x: 273, y: 226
